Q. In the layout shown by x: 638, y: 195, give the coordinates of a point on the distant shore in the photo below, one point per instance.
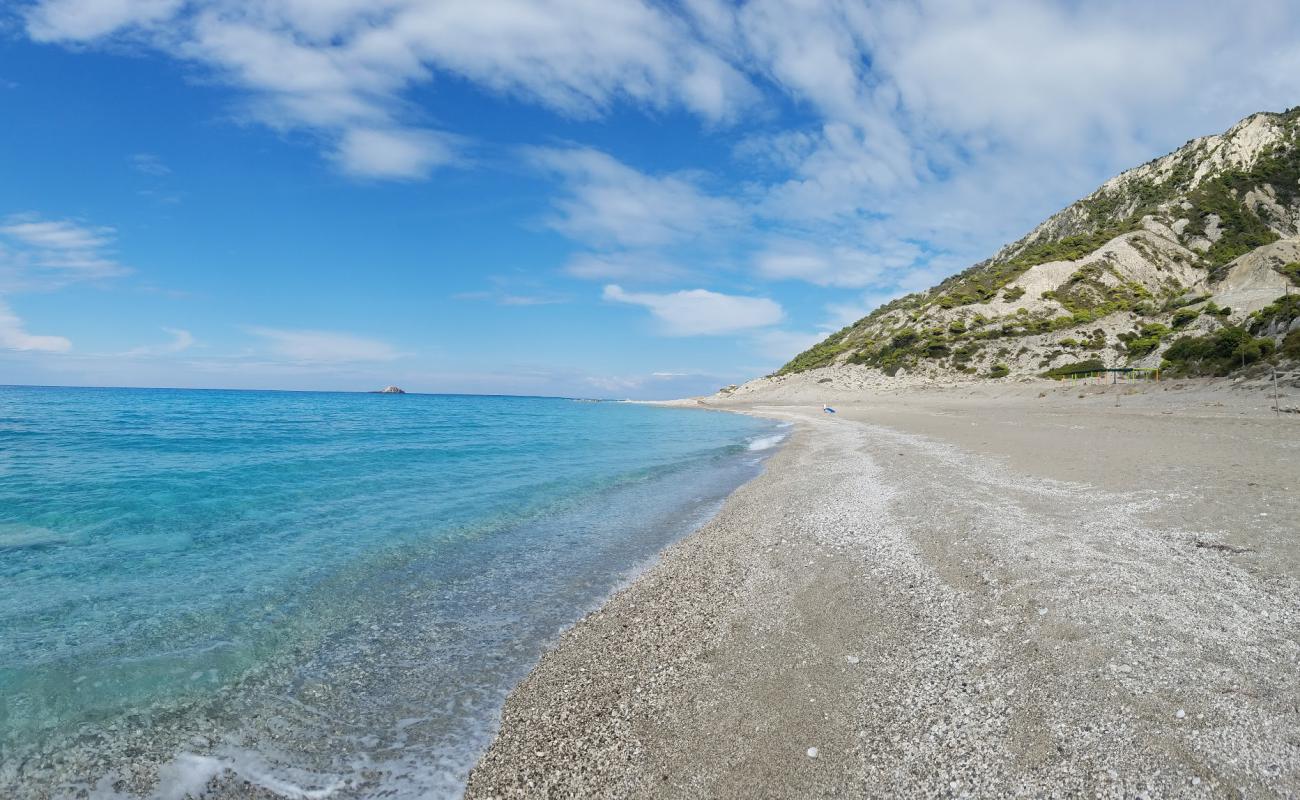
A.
x: 989, y: 591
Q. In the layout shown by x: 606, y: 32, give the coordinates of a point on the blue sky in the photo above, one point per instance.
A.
x: 578, y: 197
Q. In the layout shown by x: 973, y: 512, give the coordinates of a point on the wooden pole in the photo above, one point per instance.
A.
x: 1277, y: 404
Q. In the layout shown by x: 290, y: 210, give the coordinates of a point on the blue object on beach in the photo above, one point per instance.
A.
x: 828, y: 409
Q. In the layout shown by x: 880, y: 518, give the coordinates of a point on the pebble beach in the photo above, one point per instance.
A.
x: 1048, y: 592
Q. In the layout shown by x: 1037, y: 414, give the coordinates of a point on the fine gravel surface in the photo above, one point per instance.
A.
x: 939, y: 596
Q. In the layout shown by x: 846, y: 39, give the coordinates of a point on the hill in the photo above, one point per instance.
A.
x: 1190, y: 261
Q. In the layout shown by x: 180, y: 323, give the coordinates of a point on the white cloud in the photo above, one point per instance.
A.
x: 340, y: 68
x: 924, y: 133
x: 56, y: 235
x: 393, y: 153
x: 79, y: 20
x: 181, y: 340
x: 697, y: 312
x: 940, y: 131
x: 42, y: 253
x: 512, y: 290
x: 324, y: 346
x: 507, y: 299
x: 609, y: 203
x: 150, y: 164
x: 781, y: 346
x: 658, y: 385
x: 14, y: 335
x: 793, y: 259
x: 961, y: 125
x: 641, y: 267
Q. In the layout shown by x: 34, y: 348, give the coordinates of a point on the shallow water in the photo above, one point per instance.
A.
x: 327, y: 594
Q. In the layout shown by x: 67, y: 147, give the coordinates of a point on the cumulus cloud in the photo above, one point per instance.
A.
x: 606, y: 202
x: 939, y: 131
x: 884, y: 144
x: 924, y: 118
x: 835, y: 265
x: 374, y: 153
x: 14, y: 335
x: 943, y: 130
x: 697, y: 312
x: 81, y: 20
x: 340, y: 68
x: 324, y: 346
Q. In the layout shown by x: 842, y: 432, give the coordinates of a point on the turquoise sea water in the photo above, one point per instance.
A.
x: 326, y: 594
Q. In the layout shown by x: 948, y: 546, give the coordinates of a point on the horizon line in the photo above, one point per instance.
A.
x: 300, y: 391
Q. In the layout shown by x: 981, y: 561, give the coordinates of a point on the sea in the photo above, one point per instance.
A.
x: 325, y: 595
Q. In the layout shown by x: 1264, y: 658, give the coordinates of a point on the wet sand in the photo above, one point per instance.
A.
x: 952, y: 594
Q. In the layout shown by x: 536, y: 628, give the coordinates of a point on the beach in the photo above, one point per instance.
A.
x: 1012, y: 589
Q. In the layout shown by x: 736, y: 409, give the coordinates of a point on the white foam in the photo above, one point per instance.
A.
x: 188, y: 774
x: 766, y: 442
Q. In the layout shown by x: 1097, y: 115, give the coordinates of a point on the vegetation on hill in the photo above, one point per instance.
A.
x: 1218, y: 353
x: 1196, y: 209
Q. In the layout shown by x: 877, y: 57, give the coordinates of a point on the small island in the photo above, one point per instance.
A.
x: 390, y: 390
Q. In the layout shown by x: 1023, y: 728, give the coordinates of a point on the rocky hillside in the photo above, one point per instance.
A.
x: 1183, y: 262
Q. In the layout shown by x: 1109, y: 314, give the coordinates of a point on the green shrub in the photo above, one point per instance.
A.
x: 1291, y: 345
x: 999, y: 371
x: 1013, y: 293
x: 904, y: 339
x: 1142, y: 345
x: 1218, y: 353
x: 1091, y: 365
x: 1281, y: 312
x: 965, y: 353
x: 1291, y: 272
x: 936, y: 348
x: 1188, y: 299
x: 819, y: 355
x: 1241, y: 230
x: 1184, y: 317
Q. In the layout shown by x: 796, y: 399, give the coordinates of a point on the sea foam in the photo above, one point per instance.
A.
x: 765, y: 442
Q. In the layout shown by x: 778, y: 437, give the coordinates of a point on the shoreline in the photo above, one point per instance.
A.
x: 396, y: 687
x: 947, y: 593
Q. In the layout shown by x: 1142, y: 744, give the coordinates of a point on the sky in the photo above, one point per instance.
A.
x: 608, y: 198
